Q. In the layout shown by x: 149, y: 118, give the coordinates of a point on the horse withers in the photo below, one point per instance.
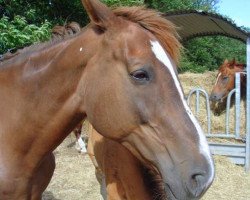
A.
x: 225, y: 82
x: 120, y: 73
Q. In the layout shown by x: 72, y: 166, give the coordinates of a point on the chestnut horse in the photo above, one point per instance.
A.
x: 120, y: 174
x: 58, y: 32
x: 225, y: 82
x: 119, y: 72
x: 126, y: 176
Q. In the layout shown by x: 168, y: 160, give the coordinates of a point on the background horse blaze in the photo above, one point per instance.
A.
x: 131, y: 72
x: 225, y: 82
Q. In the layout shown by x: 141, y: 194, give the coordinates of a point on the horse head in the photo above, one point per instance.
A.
x: 225, y: 82
x: 132, y: 94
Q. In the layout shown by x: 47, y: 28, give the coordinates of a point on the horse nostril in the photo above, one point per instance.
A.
x: 197, y: 185
x: 212, y: 97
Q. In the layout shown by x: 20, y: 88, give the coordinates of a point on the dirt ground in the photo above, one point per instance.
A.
x: 74, y: 177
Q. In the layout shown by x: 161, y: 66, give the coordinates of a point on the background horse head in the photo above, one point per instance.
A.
x: 225, y: 82
x: 120, y: 73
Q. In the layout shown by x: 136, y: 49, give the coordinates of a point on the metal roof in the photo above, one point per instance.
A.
x: 195, y: 23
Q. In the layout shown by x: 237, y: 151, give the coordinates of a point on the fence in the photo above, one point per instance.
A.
x: 238, y: 152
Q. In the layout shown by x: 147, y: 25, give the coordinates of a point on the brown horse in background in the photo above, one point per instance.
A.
x: 119, y: 72
x: 225, y: 82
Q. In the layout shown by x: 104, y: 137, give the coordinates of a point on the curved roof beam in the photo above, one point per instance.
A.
x: 193, y: 23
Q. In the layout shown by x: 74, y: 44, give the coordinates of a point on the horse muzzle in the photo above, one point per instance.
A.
x: 215, y: 97
x: 193, y: 189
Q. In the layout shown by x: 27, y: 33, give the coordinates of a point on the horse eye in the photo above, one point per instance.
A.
x: 225, y: 77
x: 140, y: 75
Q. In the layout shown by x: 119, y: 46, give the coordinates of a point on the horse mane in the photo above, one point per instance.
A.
x: 231, y: 64
x: 153, y: 21
x: 59, y: 32
x: 241, y: 65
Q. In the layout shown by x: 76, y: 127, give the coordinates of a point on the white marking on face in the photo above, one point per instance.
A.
x: 81, y: 49
x: 217, y: 78
x: 163, y: 57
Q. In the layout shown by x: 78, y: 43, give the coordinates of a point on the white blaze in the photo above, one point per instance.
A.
x: 217, y: 78
x: 162, y: 56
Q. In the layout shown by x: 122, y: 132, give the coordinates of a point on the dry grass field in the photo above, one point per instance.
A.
x: 74, y: 177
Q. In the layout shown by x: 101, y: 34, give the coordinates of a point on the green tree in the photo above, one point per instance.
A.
x: 17, y: 33
x: 208, y: 53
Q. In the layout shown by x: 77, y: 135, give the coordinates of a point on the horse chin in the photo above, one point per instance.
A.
x: 159, y: 190
x: 218, y: 107
x: 154, y: 181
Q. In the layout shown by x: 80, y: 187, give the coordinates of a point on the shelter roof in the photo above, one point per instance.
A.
x: 193, y: 23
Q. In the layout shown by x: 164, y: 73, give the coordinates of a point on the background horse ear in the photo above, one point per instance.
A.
x: 99, y: 13
x: 232, y: 63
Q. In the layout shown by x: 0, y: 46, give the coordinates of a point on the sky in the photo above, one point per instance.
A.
x: 237, y: 10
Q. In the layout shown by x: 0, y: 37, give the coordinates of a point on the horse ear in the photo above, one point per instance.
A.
x: 225, y: 61
x: 99, y: 13
x: 233, y: 62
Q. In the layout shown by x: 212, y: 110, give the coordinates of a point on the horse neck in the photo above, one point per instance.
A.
x: 243, y: 85
x: 243, y: 80
x: 42, y: 88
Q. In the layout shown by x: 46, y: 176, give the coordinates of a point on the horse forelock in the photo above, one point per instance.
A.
x: 154, y: 22
x: 229, y: 68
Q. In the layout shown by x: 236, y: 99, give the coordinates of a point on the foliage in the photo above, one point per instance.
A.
x: 17, y: 33
x: 207, y: 53
x: 55, y: 11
